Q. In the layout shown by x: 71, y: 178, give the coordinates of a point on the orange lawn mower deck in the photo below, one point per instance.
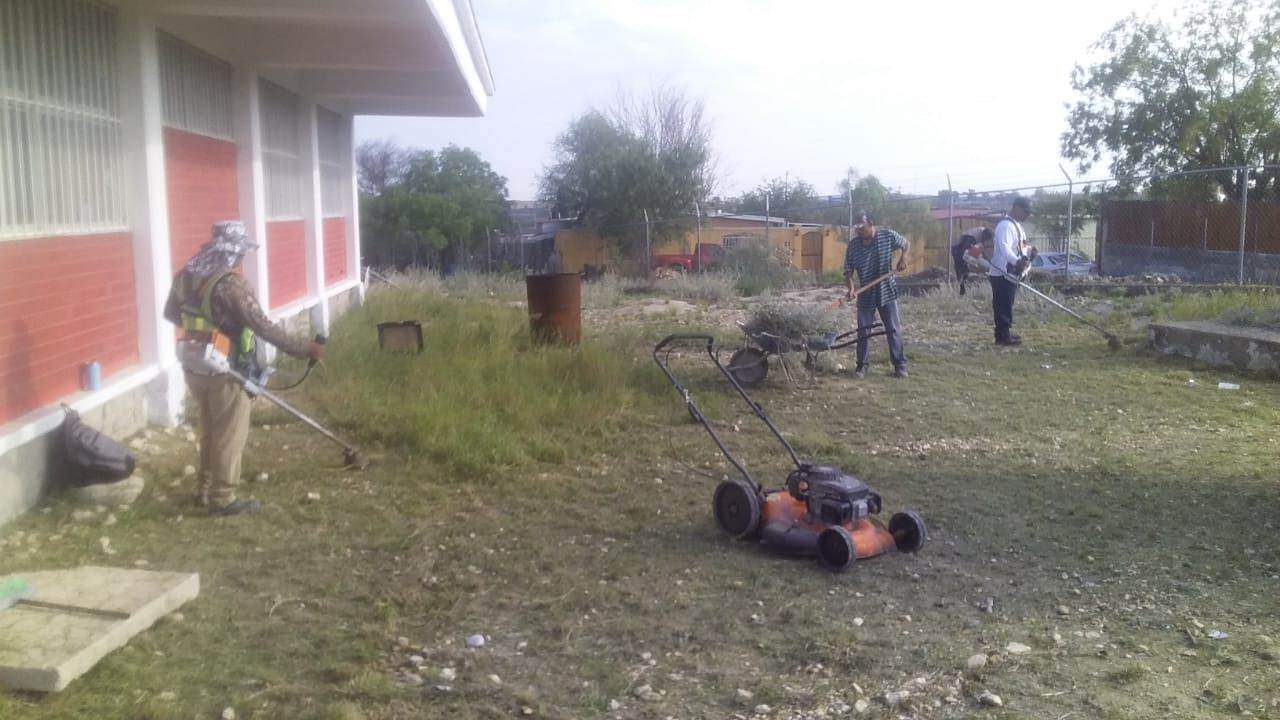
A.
x: 821, y: 512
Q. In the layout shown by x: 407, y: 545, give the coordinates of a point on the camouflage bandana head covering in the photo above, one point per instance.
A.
x: 228, y: 247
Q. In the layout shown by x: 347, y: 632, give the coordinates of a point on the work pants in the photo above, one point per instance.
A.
x: 1003, y: 292
x: 224, y: 429
x: 892, y: 332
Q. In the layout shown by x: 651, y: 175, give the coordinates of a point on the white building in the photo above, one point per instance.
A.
x: 128, y: 127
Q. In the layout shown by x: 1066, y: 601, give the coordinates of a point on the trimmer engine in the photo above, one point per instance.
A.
x: 831, y: 496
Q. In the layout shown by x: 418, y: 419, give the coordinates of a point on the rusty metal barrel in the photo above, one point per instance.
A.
x: 555, y: 307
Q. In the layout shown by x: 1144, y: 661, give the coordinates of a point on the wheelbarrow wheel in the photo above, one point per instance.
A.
x: 749, y: 366
x: 836, y: 550
x: 908, y: 531
x: 737, y: 509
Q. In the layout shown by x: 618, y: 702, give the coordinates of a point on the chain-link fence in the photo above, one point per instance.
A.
x: 1210, y: 225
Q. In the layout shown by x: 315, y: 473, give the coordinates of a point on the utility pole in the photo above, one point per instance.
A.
x: 488, y: 257
x: 849, y: 182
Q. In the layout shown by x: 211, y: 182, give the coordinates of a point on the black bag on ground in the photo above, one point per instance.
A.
x: 88, y: 457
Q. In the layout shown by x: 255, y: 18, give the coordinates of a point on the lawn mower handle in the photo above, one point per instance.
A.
x: 697, y: 412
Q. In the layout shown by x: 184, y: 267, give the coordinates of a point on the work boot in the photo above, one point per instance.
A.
x: 900, y: 371
x: 238, y: 507
x: 1009, y: 340
x: 860, y: 372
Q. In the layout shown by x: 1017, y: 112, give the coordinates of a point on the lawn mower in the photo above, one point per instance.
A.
x: 821, y: 510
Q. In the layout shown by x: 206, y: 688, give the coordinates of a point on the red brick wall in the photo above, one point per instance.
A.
x: 64, y: 301
x: 335, y: 250
x: 201, y: 180
x: 286, y: 261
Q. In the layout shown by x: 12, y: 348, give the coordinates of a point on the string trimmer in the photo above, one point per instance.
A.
x: 1113, y: 342
x: 821, y: 510
x: 204, y: 359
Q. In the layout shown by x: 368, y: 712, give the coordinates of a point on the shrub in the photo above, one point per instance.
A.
x: 759, y: 268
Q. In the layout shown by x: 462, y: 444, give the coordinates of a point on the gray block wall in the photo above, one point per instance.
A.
x: 1192, y: 265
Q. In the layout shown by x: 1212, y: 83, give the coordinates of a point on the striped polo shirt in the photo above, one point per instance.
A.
x: 872, y: 259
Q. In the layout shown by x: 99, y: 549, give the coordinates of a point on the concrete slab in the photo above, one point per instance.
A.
x: 1219, y: 345
x: 76, y: 617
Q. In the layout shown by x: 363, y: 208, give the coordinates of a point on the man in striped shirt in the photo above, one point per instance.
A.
x: 870, y: 257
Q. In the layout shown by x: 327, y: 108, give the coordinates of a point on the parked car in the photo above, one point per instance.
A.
x: 1056, y: 263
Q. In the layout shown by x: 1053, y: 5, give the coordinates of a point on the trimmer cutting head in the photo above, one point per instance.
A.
x: 354, y: 459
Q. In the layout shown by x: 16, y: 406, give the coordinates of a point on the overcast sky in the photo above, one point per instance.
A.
x: 907, y: 90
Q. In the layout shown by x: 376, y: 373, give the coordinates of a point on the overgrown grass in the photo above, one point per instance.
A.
x: 712, y: 287
x: 482, y: 396
x: 594, y: 577
x: 1253, y: 307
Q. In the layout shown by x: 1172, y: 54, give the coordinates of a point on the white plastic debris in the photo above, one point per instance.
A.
x: 1228, y: 386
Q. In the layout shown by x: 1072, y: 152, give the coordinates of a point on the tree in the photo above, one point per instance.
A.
x: 432, y: 202
x: 787, y: 198
x: 612, y: 165
x: 1198, y: 92
x: 379, y: 164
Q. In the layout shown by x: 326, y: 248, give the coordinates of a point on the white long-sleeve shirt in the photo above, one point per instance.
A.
x: 1008, y: 245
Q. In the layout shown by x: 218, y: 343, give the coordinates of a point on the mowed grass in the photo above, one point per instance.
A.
x: 1058, y: 476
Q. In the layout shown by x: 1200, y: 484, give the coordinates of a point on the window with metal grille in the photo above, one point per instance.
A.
x: 61, y: 161
x: 195, y: 89
x: 281, y: 158
x: 335, y: 191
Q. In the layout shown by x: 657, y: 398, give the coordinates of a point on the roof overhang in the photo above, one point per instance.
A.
x: 362, y: 57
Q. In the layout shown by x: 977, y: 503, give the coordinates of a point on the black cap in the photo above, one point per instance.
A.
x: 1023, y: 202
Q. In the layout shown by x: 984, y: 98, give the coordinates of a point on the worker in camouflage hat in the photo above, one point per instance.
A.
x: 214, y: 305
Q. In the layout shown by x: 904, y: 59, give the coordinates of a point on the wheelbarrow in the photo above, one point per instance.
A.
x: 749, y: 365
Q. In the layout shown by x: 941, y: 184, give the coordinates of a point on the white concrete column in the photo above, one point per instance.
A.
x: 313, y: 214
x: 354, y: 269
x: 142, y: 123
x: 247, y: 126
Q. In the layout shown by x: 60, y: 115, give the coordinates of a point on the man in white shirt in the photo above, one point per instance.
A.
x: 1010, y: 255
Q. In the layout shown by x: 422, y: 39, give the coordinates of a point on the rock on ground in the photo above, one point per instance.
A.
x: 123, y: 492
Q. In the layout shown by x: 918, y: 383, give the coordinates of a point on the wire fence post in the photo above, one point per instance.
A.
x: 951, y: 224
x: 488, y: 253
x: 697, y: 248
x: 1244, y: 220
x: 1071, y: 228
x: 766, y: 220
x: 648, y: 249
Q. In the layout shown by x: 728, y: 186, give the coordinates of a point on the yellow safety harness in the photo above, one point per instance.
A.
x: 197, y: 321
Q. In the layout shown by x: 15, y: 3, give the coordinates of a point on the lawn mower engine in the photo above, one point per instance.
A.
x: 822, y: 511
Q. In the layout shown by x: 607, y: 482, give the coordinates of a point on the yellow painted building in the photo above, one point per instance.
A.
x: 580, y: 248
x: 820, y: 249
